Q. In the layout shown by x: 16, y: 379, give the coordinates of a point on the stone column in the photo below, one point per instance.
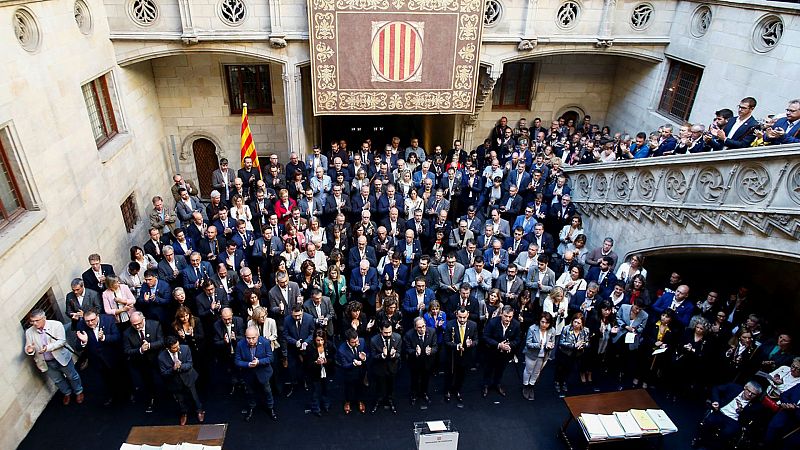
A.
x: 293, y: 103
x: 277, y: 36
x: 604, y: 38
x: 188, y: 34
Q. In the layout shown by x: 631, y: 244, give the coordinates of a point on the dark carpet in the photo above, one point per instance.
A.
x: 492, y: 423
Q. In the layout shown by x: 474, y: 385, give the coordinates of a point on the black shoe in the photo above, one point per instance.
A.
x: 272, y: 414
x: 233, y: 390
x: 108, y: 402
x: 289, y: 392
x: 485, y: 392
x: 447, y: 397
x: 459, y: 401
x: 248, y: 414
x: 375, y: 408
x: 317, y: 413
x: 426, y: 399
x: 413, y: 401
x: 392, y: 408
x: 150, y: 406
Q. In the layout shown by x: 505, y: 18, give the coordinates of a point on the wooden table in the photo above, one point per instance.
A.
x: 605, y: 403
x: 212, y: 434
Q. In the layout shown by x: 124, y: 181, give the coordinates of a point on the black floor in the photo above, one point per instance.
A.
x: 491, y: 423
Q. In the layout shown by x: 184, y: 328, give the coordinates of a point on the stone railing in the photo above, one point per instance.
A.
x: 755, y: 188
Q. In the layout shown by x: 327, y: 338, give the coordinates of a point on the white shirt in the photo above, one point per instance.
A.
x: 730, y: 409
x: 739, y: 122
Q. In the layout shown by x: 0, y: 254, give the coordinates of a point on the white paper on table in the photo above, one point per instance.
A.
x: 212, y: 447
x: 663, y: 422
x: 437, y: 425
x: 612, y: 426
x: 126, y: 446
x: 150, y: 447
x: 659, y: 351
x: 593, y: 426
x: 190, y: 446
x: 169, y: 447
x: 628, y: 423
x: 630, y: 338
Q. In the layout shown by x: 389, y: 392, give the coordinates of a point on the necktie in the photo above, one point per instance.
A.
x: 451, y: 274
x: 174, y: 356
x: 197, y: 272
x: 461, y: 333
x: 387, y: 344
x: 354, y: 350
x: 141, y: 334
x: 298, y: 324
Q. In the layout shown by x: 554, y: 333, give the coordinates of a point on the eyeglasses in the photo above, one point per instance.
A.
x: 744, y: 107
x: 792, y: 110
x: 749, y: 391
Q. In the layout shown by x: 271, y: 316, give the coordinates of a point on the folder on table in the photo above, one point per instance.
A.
x: 662, y: 421
x: 595, y: 430
x: 611, y: 424
x: 628, y: 424
x: 644, y: 421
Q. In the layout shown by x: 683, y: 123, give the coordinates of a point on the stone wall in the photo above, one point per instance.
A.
x: 193, y: 101
x: 76, y: 189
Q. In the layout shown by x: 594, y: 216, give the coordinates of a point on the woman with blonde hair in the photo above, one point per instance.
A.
x: 118, y: 301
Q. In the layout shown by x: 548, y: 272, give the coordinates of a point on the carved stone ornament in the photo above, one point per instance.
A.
x: 583, y: 185
x: 526, y: 45
x: 621, y: 185
x: 793, y: 184
x: 675, y: 185
x: 753, y: 184
x: 600, y: 185
x: 710, y: 185
x: 276, y: 42
x: 646, y: 184
x: 604, y: 43
x: 719, y: 221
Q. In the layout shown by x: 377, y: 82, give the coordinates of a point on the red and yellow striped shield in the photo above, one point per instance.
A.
x: 397, y: 51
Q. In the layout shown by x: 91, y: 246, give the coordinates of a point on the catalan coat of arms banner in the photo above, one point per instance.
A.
x: 395, y: 56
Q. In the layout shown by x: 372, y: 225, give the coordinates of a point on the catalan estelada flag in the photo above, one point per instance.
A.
x: 248, y: 146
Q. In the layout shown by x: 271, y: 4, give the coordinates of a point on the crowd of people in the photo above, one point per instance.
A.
x: 587, y: 143
x: 351, y: 263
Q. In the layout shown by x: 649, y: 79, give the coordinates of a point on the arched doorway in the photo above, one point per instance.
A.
x: 571, y: 115
x: 205, y: 163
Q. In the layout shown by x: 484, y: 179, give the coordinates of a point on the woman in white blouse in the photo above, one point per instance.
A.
x: 413, y: 203
x: 572, y: 281
x: 241, y: 211
x: 315, y: 233
x: 557, y: 306
x: 406, y: 183
x: 266, y: 326
x: 569, y: 233
x: 633, y: 267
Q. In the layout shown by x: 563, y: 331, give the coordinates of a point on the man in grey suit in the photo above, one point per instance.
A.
x: 510, y: 285
x: 222, y: 180
x: 541, y: 280
x: 451, y: 274
x: 282, y: 297
x: 81, y: 300
x: 500, y: 226
x: 46, y: 341
x: 436, y: 204
x: 170, y: 268
x: 186, y: 206
x: 310, y: 206
x: 321, y: 310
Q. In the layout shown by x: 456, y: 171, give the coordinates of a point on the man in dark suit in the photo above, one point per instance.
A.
x: 363, y: 201
x: 177, y: 369
x: 561, y: 213
x: 396, y: 273
x: 786, y: 130
x: 471, y: 188
x: 227, y: 333
x: 460, y: 339
x: 364, y: 284
x: 603, y: 276
x: 420, y: 346
x: 249, y: 175
x: 515, y: 244
x: 395, y: 227
x: 731, y: 408
x: 209, y: 303
x: 676, y: 301
x: 391, y: 199
x: 154, y: 298
x: 738, y: 133
x: 541, y: 238
x: 503, y: 338
x: 222, y: 181
x: 254, y: 359
x: 233, y: 257
x: 95, y: 276
x: 351, y: 357
x: 416, y: 301
x: 194, y: 275
x: 385, y: 350
x: 298, y: 332
x: 171, y: 267
x: 212, y: 245
x: 420, y: 226
x: 261, y: 209
x: 226, y: 225
x: 244, y: 238
x: 282, y: 297
x: 81, y: 300
x: 154, y: 246
x: 361, y: 252
x: 142, y: 343
x: 511, y: 204
x: 196, y: 230
x: 98, y: 336
x: 409, y: 249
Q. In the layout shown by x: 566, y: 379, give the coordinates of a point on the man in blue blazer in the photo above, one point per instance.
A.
x: 351, y: 357
x: 503, y: 338
x: 99, y: 337
x: 397, y: 274
x: 387, y: 200
x: 738, y: 133
x: 676, y: 301
x: 364, y: 284
x: 526, y: 221
x: 361, y: 252
x: 417, y: 299
x: 298, y: 332
x: 254, y: 360
x: 197, y: 271
x: 154, y: 298
x: 603, y: 276
x: 409, y: 249
x: 787, y: 129
x: 244, y: 238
